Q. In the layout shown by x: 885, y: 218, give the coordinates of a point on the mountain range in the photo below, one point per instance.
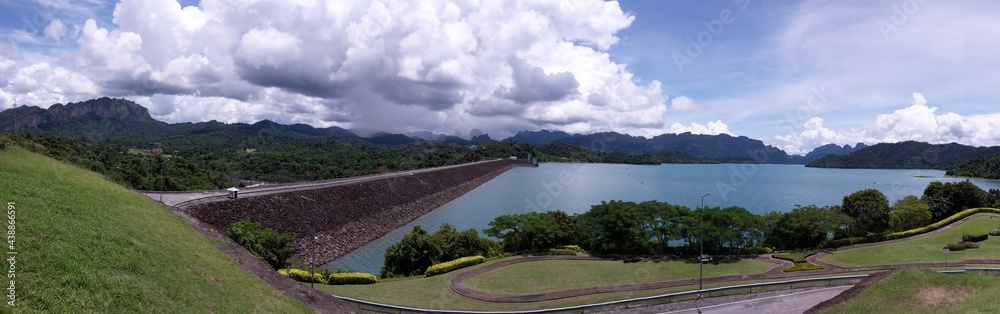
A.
x: 125, y: 122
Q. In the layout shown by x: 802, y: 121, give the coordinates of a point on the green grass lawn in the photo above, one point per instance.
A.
x: 550, y: 276
x: 87, y: 245
x: 925, y: 249
x: 925, y: 291
x: 435, y: 293
x: 794, y: 257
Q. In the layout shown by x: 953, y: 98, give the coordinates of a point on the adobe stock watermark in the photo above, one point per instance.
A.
x: 553, y: 189
x: 12, y: 253
x: 714, y: 29
x: 901, y: 14
x: 793, y: 121
x: 740, y: 174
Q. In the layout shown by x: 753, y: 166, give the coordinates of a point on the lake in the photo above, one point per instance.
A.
x: 574, y: 188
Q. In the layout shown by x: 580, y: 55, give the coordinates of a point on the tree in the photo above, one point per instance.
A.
x: 614, y: 228
x: 662, y: 222
x: 992, y: 198
x: 269, y: 245
x: 946, y: 199
x: 411, y: 256
x: 870, y: 210
x: 909, y: 213
x: 455, y: 245
x: 803, y: 227
x: 533, y: 231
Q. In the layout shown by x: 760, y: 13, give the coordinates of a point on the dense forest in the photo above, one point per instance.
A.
x: 906, y: 155
x: 987, y: 167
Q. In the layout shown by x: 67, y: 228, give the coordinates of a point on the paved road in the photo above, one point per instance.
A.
x: 792, y: 303
x: 183, y: 199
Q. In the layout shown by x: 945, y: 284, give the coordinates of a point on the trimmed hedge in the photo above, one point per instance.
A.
x: 351, y: 279
x: 995, y: 233
x: 460, y: 263
x: 574, y: 248
x: 303, y: 275
x: 975, y: 237
x: 802, y: 266
x: 562, y: 252
x: 912, y: 232
x: 961, y: 246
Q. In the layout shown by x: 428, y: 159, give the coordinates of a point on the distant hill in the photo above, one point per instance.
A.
x: 986, y: 167
x: 906, y: 155
x: 828, y: 149
x: 719, y: 148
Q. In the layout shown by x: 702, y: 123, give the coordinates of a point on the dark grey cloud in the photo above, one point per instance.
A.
x: 532, y: 84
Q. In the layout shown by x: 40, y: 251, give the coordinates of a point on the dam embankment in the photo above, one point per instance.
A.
x: 345, y: 217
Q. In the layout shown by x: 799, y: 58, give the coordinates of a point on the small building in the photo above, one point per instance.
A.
x: 513, y: 157
x: 233, y: 191
x: 157, y: 148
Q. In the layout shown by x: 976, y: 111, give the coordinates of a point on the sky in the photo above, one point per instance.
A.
x: 794, y: 74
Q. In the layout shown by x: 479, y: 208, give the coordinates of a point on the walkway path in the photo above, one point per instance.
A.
x: 185, y: 199
x: 458, y: 283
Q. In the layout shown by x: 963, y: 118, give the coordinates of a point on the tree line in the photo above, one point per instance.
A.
x: 660, y: 228
x: 201, y: 162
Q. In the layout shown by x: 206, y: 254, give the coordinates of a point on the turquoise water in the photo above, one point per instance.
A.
x: 573, y: 188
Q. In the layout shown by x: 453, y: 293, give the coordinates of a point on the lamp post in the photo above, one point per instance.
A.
x: 701, y: 241
x: 312, y: 260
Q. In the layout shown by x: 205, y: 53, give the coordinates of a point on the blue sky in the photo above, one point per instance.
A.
x: 794, y: 74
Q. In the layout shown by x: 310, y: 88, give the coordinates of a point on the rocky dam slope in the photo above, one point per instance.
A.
x: 343, y: 218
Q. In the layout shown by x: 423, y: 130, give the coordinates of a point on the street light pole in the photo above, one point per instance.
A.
x: 701, y: 241
x: 312, y: 260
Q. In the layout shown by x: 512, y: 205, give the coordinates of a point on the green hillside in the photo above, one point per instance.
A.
x: 87, y: 245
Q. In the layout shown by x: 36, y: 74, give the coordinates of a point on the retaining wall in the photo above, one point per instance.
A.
x: 348, y: 216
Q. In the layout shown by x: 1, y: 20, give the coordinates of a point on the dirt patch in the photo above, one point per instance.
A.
x: 929, y: 297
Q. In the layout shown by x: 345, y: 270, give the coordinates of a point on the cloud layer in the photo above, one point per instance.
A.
x: 443, y: 66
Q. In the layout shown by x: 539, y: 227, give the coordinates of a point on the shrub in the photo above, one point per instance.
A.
x: 576, y: 248
x: 5, y: 141
x: 961, y: 246
x: 802, y: 266
x: 303, y: 275
x: 995, y: 232
x: 446, y: 267
x: 562, y: 252
x: 269, y: 245
x: 354, y: 278
x: 975, y: 237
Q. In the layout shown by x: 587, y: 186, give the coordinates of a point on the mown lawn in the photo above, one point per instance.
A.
x: 88, y: 245
x: 925, y: 249
x: 551, y: 276
x: 925, y: 291
x: 435, y: 292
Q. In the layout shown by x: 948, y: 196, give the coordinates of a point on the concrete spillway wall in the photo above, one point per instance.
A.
x: 345, y: 217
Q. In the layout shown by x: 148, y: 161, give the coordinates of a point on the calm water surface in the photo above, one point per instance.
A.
x: 574, y: 188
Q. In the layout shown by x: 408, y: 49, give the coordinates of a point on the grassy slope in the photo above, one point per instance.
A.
x: 523, y: 278
x: 924, y: 249
x: 87, y: 245
x: 904, y: 293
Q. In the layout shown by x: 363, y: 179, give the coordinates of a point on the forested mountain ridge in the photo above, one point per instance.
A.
x: 987, y: 167
x: 906, y: 155
x: 718, y: 148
